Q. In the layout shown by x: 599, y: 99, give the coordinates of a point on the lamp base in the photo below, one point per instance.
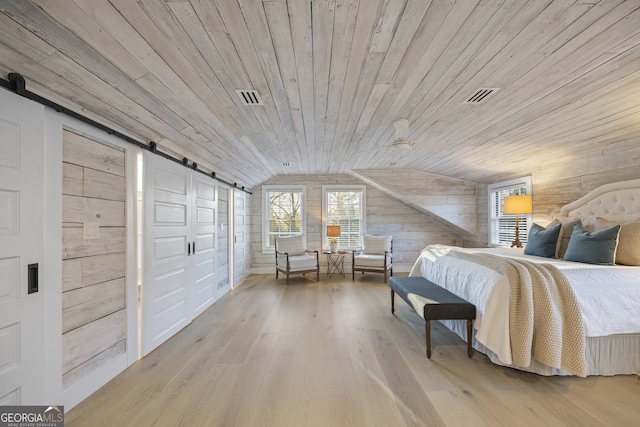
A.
x: 516, y: 243
x: 333, y: 247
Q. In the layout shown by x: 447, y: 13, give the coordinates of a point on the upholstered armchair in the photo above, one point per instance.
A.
x: 376, y: 256
x: 292, y: 257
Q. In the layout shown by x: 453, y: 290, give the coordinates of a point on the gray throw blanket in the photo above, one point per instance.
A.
x: 545, y: 322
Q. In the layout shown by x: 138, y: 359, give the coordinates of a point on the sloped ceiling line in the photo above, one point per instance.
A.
x: 448, y: 200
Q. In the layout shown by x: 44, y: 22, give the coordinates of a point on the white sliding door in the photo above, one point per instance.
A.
x: 166, y: 250
x: 223, y: 255
x: 21, y: 241
x: 179, y: 248
x: 203, y: 291
x: 241, y: 237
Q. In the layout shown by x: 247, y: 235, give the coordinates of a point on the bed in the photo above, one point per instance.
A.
x: 603, y: 337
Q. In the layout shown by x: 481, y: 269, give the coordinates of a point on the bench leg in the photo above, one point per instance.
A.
x: 427, y: 333
x: 393, y: 308
x: 469, y: 338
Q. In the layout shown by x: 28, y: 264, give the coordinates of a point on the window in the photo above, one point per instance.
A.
x: 502, y: 227
x: 283, y: 214
x: 344, y: 206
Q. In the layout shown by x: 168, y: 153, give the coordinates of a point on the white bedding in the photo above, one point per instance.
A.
x: 609, y: 296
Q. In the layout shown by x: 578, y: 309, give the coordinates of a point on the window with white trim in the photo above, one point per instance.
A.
x: 283, y: 212
x: 344, y: 206
x: 502, y: 227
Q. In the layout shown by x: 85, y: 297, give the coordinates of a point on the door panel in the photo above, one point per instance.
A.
x: 166, y: 244
x: 21, y: 243
x: 222, y: 254
x: 204, y: 237
x: 240, y: 237
x: 179, y: 271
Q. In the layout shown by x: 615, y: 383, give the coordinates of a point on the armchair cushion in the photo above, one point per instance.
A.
x: 376, y: 245
x: 371, y: 261
x: 298, y: 262
x: 294, y: 245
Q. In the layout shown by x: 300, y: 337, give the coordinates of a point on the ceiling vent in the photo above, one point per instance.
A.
x: 249, y: 97
x: 286, y: 164
x: 480, y: 95
x: 392, y: 163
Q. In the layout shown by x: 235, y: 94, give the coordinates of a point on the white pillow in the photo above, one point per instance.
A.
x: 377, y: 245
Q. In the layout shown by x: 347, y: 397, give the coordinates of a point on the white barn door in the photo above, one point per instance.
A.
x: 166, y: 249
x: 203, y: 290
x: 21, y: 253
x: 240, y: 237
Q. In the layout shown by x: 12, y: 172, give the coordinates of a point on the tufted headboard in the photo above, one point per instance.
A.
x: 617, y: 201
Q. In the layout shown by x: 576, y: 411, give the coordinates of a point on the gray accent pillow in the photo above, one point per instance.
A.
x: 598, y: 247
x: 542, y: 241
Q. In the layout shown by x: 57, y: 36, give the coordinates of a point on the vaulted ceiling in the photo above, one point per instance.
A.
x: 334, y: 75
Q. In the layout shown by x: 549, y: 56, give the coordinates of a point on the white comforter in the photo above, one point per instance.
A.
x: 609, y: 296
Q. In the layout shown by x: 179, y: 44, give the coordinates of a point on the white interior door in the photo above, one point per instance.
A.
x: 240, y: 237
x: 223, y: 255
x: 166, y: 249
x: 21, y: 241
x: 203, y: 257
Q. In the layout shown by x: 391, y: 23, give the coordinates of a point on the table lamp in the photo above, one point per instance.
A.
x: 333, y: 231
x: 519, y: 204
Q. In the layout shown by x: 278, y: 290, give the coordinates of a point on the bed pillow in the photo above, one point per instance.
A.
x: 590, y: 223
x: 598, y: 247
x: 542, y: 241
x: 628, y: 251
x: 566, y: 228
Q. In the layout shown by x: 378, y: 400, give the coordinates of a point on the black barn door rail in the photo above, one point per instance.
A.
x: 17, y: 84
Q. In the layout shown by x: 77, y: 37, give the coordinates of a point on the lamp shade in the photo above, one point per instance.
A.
x: 333, y: 230
x: 520, y: 204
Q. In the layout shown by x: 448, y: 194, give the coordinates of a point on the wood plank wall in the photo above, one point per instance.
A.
x: 412, y: 230
x: 93, y: 285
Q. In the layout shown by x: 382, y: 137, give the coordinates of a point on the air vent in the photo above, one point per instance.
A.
x: 392, y: 163
x: 286, y: 164
x: 249, y: 97
x: 480, y: 95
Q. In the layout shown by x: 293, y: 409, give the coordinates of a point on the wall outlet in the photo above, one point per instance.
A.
x: 90, y: 230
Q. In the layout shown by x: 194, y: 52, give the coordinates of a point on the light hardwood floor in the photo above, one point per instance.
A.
x: 330, y: 353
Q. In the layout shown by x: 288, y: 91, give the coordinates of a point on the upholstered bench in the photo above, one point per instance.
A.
x: 432, y: 302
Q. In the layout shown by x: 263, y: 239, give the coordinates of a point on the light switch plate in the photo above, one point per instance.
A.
x: 91, y: 231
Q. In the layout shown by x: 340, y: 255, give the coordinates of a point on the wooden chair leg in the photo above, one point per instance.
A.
x: 469, y: 338
x: 427, y: 333
x: 393, y: 308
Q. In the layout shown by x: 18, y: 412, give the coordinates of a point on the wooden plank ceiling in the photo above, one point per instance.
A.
x: 333, y: 76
